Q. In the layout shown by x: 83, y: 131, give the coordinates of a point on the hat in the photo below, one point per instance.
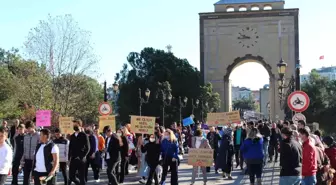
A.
x: 328, y: 140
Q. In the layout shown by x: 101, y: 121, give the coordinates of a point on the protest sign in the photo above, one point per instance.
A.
x: 223, y: 118
x: 43, y: 118
x: 66, y: 125
x: 143, y: 124
x: 107, y: 121
x: 200, y: 157
x: 187, y: 121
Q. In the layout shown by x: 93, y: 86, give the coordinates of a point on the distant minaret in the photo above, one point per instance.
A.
x: 169, y: 48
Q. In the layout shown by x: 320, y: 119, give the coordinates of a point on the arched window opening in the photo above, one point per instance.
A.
x: 255, y: 8
x: 230, y: 9
x: 267, y: 7
x: 242, y: 9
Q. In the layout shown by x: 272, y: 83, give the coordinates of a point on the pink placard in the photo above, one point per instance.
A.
x: 43, y: 118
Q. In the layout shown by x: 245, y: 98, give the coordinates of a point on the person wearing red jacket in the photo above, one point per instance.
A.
x: 309, y: 159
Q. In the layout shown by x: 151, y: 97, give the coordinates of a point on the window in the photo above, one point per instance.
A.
x: 230, y: 9
x: 267, y: 7
x: 254, y: 8
x: 242, y: 9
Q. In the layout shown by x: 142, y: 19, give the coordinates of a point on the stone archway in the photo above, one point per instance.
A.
x: 272, y: 82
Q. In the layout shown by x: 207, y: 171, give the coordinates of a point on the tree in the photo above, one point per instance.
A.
x: 150, y: 66
x: 244, y: 104
x: 60, y: 45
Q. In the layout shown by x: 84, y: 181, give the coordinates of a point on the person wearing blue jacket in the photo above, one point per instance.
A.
x: 169, y: 153
x: 252, y: 150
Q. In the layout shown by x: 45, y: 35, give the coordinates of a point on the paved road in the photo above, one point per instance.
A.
x: 270, y: 177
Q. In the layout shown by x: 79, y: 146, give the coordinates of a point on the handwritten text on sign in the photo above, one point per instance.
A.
x: 200, y: 157
x: 107, y: 121
x: 143, y: 124
x: 43, y: 118
x: 222, y: 118
x: 66, y: 125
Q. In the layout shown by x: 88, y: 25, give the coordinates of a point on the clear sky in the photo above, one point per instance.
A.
x: 120, y: 27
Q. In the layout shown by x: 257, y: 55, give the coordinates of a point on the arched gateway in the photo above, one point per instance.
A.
x: 241, y: 31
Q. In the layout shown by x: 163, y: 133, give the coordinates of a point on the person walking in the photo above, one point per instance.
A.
x: 252, y: 150
x: 46, y: 159
x: 63, y: 146
x: 213, y: 138
x: 309, y: 158
x: 114, y: 144
x: 100, y: 147
x: 290, y: 158
x: 265, y: 131
x: 152, y: 150
x: 143, y: 164
x: 5, y: 156
x: 90, y: 157
x: 78, y: 150
x: 239, y: 136
x: 123, y: 156
x: 330, y: 151
x: 18, y: 152
x: 274, y: 143
x: 169, y: 152
x: 30, y: 141
x: 198, y: 141
x: 225, y: 154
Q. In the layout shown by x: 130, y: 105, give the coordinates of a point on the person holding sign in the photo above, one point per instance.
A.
x: 169, y: 151
x: 152, y: 150
x: 198, y: 141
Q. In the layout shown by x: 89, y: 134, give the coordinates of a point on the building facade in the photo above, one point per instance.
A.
x: 328, y: 72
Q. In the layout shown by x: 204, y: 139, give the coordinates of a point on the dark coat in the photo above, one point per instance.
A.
x: 217, y: 138
x: 225, y: 154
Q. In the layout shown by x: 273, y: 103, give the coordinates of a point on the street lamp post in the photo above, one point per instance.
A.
x: 282, y: 83
x: 182, y: 105
x: 166, y: 101
x: 193, y: 105
x: 114, y: 98
x: 206, y: 106
x: 143, y: 100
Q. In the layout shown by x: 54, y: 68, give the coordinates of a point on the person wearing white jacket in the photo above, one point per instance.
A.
x: 6, y: 154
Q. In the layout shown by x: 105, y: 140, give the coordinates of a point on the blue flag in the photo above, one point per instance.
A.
x: 187, y: 121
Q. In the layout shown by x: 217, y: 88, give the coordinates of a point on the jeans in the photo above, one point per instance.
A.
x: 111, y: 171
x: 122, y: 173
x: 94, y: 167
x: 290, y: 180
x: 37, y: 176
x: 15, y: 171
x: 194, y: 172
x: 63, y: 168
x: 239, y: 157
x: 168, y: 162
x: 310, y: 180
x: 265, y: 150
x: 152, y: 174
x: 77, y: 165
x: 27, y: 170
x: 254, y: 170
x: 273, y: 151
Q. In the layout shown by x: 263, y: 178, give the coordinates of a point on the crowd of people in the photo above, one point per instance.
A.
x: 305, y: 158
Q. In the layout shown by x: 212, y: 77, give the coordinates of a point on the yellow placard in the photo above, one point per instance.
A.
x: 143, y: 124
x: 222, y: 118
x: 66, y: 125
x: 107, y: 121
x: 200, y: 157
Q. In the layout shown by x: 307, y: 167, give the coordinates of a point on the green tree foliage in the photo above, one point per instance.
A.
x: 322, y: 108
x: 150, y: 66
x: 26, y: 86
x: 245, y: 104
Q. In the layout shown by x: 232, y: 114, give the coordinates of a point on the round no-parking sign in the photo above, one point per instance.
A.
x: 298, y: 101
x: 105, y: 109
